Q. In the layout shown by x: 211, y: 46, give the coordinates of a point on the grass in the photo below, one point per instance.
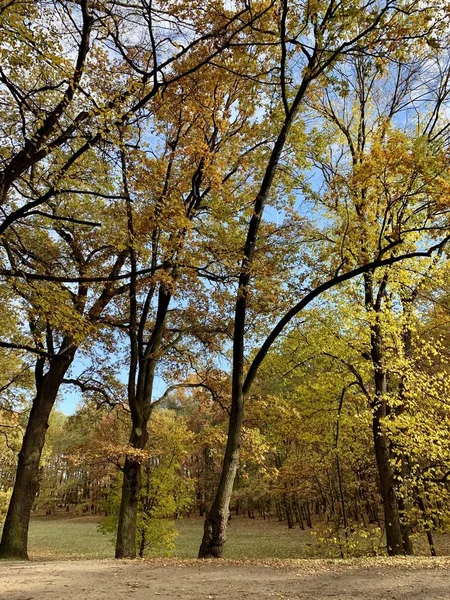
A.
x: 247, y: 538
x: 52, y: 538
x: 69, y: 537
x: 77, y: 537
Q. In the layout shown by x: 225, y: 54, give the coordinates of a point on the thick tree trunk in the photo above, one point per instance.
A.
x: 126, y: 532
x: 141, y: 409
x: 394, y: 537
x: 129, y: 502
x: 14, y: 543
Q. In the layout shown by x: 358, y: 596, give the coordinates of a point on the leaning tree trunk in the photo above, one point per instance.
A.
x: 14, y: 542
x: 394, y: 537
x: 214, y: 533
x: 216, y: 522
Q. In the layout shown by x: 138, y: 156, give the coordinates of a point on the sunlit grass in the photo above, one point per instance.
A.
x: 77, y: 537
x: 248, y: 538
x: 66, y: 537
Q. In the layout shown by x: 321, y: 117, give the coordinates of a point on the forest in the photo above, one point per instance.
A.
x: 224, y: 237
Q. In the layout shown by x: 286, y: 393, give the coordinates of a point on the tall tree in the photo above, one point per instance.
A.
x: 385, y: 187
x: 318, y: 47
x: 206, y: 136
x: 54, y: 120
x: 60, y: 318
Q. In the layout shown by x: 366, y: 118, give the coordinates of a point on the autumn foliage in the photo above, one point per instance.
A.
x: 224, y: 228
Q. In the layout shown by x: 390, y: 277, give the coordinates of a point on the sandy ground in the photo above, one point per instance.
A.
x: 369, y: 579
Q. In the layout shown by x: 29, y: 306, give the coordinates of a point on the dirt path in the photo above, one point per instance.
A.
x: 370, y: 579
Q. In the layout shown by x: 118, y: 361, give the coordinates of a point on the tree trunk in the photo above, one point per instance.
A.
x: 279, y: 512
x: 298, y: 515
x: 216, y: 521
x: 126, y: 531
x: 394, y: 537
x: 14, y: 542
x: 214, y: 533
x: 408, y: 547
x: 129, y: 502
x: 288, y: 509
x: 394, y: 534
x: 427, y: 526
x: 308, y: 515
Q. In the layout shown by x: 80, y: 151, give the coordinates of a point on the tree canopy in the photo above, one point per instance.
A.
x: 225, y: 227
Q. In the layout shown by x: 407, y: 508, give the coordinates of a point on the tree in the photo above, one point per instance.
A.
x: 59, y: 320
x: 384, y: 187
x: 52, y: 138
x: 367, y: 31
x: 206, y: 137
x: 167, y: 488
x: 55, y: 109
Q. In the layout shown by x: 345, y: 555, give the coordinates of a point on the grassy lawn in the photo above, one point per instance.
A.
x: 62, y: 537
x: 65, y: 538
x: 248, y: 538
x: 77, y: 537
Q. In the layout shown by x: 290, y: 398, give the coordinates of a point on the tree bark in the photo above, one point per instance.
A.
x: 15, y: 531
x: 14, y: 542
x: 131, y: 488
x: 126, y: 531
x: 379, y: 406
x: 214, y: 534
x: 394, y: 537
x: 429, y: 533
